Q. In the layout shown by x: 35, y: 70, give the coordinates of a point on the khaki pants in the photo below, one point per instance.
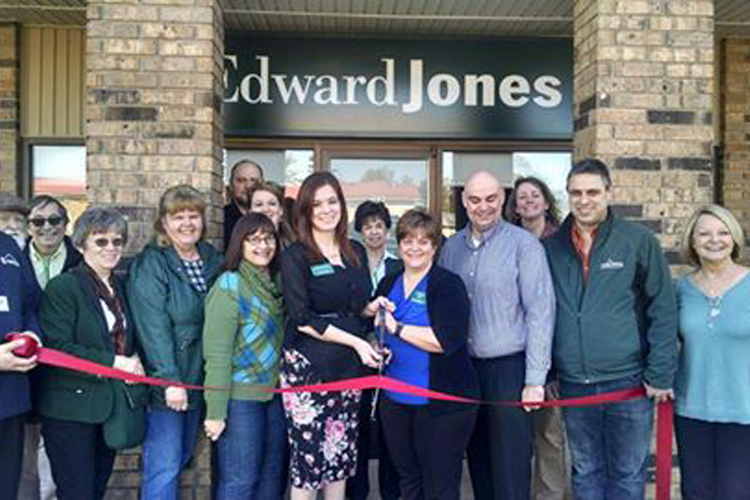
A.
x: 551, y: 471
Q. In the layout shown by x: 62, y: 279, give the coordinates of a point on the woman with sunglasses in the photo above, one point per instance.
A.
x: 169, y: 281
x: 242, y: 339
x: 85, y: 312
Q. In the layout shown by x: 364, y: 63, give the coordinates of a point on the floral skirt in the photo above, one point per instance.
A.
x: 322, y: 427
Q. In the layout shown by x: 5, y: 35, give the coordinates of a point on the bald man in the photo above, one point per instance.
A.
x: 506, y: 273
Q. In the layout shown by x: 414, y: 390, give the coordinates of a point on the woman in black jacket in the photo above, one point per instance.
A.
x: 326, y: 289
x: 427, y: 341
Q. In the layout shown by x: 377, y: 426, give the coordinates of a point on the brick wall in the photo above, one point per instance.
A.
x: 154, y: 92
x: 735, y: 126
x: 9, y: 127
x: 643, y: 81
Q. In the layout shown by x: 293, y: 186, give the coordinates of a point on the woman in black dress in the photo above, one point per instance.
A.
x: 327, y: 288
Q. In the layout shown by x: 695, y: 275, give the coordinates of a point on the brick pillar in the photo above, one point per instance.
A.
x: 9, y: 128
x: 736, y: 128
x: 154, y: 92
x: 643, y: 82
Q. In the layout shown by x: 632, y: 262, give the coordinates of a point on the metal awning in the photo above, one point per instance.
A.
x: 383, y: 18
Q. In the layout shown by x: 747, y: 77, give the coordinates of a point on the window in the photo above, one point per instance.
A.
x: 60, y: 171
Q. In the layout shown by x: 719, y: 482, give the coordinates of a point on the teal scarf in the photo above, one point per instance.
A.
x: 265, y: 288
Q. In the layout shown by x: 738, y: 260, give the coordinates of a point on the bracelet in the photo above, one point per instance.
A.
x: 399, y: 328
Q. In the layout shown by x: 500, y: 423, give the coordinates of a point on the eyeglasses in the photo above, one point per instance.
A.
x: 103, y: 242
x: 256, y: 241
x: 54, y: 220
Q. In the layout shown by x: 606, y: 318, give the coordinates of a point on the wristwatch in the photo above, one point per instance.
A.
x: 399, y: 328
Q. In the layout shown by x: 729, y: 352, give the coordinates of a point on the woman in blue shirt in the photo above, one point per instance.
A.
x: 427, y: 338
x: 712, y: 388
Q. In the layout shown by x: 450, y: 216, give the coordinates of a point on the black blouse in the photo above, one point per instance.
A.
x: 319, y: 294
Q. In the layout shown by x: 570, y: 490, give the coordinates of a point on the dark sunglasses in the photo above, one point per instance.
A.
x: 103, y: 242
x: 54, y: 220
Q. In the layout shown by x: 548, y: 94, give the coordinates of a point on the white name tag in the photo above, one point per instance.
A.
x: 4, y: 305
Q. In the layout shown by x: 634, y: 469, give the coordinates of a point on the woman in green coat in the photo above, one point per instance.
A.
x: 169, y: 281
x: 85, y: 312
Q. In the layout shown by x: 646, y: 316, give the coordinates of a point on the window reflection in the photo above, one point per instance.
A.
x: 287, y: 167
x: 60, y: 171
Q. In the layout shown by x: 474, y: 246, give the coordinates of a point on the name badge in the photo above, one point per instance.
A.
x: 321, y: 270
x: 4, y: 305
x: 419, y: 297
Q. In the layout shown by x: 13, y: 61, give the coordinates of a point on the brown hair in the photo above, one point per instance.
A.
x: 303, y: 209
x: 248, y: 225
x: 286, y: 235
x: 417, y: 219
x: 176, y: 199
x: 552, y: 214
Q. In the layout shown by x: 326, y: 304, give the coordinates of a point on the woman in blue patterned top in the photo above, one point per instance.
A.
x: 712, y: 388
x: 242, y: 338
x: 427, y: 339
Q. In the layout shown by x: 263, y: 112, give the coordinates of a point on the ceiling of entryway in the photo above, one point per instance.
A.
x: 354, y: 18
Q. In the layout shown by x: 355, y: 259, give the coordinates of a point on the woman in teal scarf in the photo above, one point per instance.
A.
x: 242, y: 339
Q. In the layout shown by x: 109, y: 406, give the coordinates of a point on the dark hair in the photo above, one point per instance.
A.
x: 417, y: 219
x: 369, y: 209
x: 591, y: 166
x: 248, y: 225
x: 303, y: 209
x: 285, y: 230
x: 552, y: 214
x: 244, y: 161
x: 43, y: 200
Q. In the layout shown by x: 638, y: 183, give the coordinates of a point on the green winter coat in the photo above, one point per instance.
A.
x: 622, y: 320
x: 168, y: 313
x: 73, y: 321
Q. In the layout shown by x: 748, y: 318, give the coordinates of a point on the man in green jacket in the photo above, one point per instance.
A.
x: 616, y: 328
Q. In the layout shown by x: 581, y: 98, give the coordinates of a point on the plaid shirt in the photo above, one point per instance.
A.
x: 194, y: 270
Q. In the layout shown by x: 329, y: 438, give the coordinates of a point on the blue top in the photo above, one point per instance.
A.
x: 19, y: 301
x: 713, y: 379
x: 409, y: 363
x: 512, y: 297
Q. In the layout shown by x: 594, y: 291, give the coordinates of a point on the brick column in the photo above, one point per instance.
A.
x: 9, y: 127
x: 154, y: 93
x: 643, y: 99
x: 736, y: 128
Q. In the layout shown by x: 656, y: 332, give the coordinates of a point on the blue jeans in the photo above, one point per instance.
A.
x: 169, y: 444
x: 609, y: 444
x: 252, y: 451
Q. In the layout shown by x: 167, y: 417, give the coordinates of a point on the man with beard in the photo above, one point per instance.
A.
x: 13, y: 218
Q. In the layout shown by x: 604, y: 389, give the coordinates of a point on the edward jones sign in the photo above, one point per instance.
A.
x: 450, y: 89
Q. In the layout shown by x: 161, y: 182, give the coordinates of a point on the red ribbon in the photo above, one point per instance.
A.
x: 665, y: 410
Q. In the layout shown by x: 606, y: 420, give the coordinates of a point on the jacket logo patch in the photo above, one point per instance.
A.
x: 9, y: 260
x: 612, y: 264
x: 419, y: 297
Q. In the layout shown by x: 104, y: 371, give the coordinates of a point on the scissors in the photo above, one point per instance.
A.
x: 380, y: 341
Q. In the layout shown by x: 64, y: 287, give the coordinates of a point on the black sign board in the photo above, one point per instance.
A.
x: 447, y: 89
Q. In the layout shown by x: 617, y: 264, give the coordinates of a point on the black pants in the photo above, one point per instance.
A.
x: 501, y: 446
x: 80, y: 460
x: 427, y: 448
x: 11, y: 453
x: 371, y: 436
x: 714, y: 459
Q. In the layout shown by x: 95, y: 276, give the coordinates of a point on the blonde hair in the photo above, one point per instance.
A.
x: 726, y: 217
x: 176, y: 199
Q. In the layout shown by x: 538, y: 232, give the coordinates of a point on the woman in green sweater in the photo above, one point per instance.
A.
x: 242, y: 338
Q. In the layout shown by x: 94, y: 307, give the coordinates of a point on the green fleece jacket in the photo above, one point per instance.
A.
x: 620, y: 321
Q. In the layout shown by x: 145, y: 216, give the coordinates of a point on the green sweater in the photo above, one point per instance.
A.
x: 242, y: 337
